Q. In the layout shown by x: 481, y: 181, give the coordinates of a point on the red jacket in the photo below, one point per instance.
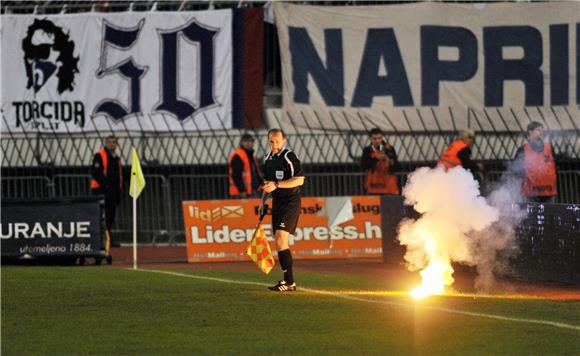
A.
x: 449, y: 158
x: 246, y: 174
x: 379, y: 179
x: 540, y: 170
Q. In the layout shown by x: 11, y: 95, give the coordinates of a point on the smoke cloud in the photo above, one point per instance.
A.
x: 457, y: 224
x: 494, y: 246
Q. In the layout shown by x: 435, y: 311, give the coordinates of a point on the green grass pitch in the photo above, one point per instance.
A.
x: 111, y: 311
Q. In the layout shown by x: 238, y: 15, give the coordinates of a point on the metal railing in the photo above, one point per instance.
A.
x: 313, y: 146
x: 160, y: 205
x: 27, y: 187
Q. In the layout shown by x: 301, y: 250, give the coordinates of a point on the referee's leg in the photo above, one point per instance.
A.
x: 284, y: 255
x: 284, y: 221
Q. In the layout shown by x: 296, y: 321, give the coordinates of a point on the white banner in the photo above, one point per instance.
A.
x: 431, y: 66
x: 127, y: 71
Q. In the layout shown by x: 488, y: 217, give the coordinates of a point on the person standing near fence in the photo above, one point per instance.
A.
x: 245, y: 176
x: 379, y: 162
x: 283, y: 178
x: 534, y: 164
x: 107, y: 180
x: 459, y: 154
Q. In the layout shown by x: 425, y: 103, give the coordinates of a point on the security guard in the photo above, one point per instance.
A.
x: 107, y: 180
x: 283, y: 178
x: 459, y: 154
x: 244, y: 170
x: 535, y: 165
x: 379, y: 162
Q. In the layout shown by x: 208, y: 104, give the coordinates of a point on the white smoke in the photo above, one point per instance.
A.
x: 494, y: 246
x: 457, y: 225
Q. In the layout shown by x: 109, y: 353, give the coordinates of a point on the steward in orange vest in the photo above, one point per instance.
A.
x: 245, y: 175
x: 379, y: 162
x: 107, y: 180
x: 459, y: 154
x: 535, y: 165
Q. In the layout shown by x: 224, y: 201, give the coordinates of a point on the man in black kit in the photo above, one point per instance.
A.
x: 283, y: 177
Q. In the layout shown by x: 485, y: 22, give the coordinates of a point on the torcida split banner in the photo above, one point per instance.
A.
x: 357, y: 67
x: 220, y: 230
x: 152, y: 71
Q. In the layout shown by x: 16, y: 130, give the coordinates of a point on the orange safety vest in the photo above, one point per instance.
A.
x: 105, y: 159
x: 380, y: 180
x: 540, y: 179
x: 246, y: 174
x: 449, y: 158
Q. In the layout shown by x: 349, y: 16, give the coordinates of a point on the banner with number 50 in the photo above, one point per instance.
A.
x: 170, y: 71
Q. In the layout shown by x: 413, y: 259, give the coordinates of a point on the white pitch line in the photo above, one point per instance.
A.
x: 350, y: 297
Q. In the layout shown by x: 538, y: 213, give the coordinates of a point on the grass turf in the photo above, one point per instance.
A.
x: 72, y: 311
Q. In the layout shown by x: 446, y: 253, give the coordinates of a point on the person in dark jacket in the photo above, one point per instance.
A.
x: 245, y: 175
x: 379, y: 162
x: 107, y: 180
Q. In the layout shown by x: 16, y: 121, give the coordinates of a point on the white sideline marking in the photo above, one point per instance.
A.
x: 350, y: 297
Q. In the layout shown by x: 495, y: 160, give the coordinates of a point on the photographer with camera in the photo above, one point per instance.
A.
x: 379, y: 162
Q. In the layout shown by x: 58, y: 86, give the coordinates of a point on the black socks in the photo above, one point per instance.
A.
x: 285, y: 257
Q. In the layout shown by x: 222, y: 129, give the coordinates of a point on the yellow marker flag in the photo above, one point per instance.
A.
x: 137, y: 178
x: 259, y: 250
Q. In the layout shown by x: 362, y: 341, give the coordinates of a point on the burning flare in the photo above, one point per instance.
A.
x: 451, y: 207
x: 435, y: 277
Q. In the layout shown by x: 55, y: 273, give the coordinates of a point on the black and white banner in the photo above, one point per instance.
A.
x: 127, y: 71
x: 52, y: 228
x: 395, y: 66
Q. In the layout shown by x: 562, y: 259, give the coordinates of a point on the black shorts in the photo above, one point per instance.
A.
x: 285, y: 213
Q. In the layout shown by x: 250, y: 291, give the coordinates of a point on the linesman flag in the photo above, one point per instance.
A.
x: 137, y: 178
x: 259, y: 250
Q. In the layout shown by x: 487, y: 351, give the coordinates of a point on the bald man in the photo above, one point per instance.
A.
x: 283, y: 178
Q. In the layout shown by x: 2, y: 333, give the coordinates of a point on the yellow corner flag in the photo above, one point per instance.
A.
x: 137, y: 178
x: 259, y: 250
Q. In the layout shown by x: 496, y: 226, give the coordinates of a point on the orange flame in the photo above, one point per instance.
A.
x: 435, y: 277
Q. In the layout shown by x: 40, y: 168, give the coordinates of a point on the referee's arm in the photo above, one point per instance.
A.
x: 293, y: 182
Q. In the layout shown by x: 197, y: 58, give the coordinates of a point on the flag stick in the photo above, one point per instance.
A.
x: 263, y: 206
x: 134, y: 224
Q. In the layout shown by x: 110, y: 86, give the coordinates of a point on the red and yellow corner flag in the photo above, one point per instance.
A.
x: 137, y: 179
x: 259, y: 250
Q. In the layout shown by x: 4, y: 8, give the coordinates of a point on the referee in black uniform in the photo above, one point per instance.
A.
x: 283, y: 177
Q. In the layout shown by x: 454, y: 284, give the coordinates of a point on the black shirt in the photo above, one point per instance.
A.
x: 282, y: 166
x: 368, y: 162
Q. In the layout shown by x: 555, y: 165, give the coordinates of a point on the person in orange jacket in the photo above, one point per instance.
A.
x: 459, y: 154
x: 245, y: 175
x: 379, y: 162
x: 107, y: 180
x: 535, y: 165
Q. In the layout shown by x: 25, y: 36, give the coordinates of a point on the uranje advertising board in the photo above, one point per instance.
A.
x: 51, y: 228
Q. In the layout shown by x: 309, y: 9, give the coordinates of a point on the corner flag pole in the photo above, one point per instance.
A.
x: 136, y: 186
x: 134, y: 222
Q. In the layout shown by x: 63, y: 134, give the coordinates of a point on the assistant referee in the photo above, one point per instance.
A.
x: 283, y: 177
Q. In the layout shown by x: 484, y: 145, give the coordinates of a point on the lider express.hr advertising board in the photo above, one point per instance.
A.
x: 219, y: 230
